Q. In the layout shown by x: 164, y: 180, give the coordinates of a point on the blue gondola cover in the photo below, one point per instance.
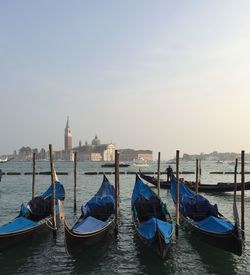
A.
x: 102, y: 205
x: 60, y: 193
x: 89, y: 224
x: 214, y: 224
x: 141, y: 190
x: 17, y: 224
x: 148, y: 229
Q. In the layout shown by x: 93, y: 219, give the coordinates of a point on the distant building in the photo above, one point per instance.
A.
x: 130, y: 154
x: 67, y: 154
x: 95, y: 151
x: 67, y: 138
x: 25, y: 153
x: 42, y: 154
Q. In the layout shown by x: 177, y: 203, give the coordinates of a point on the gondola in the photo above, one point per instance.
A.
x: 96, y: 220
x: 199, y: 215
x: 33, y: 218
x: 206, y: 188
x: 151, y: 219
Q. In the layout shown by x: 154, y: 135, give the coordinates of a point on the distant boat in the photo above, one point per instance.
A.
x: 112, y: 164
x: 239, y: 163
x: 4, y: 160
x: 140, y: 162
x: 171, y: 162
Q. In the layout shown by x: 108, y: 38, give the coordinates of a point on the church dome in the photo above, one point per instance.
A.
x: 96, y: 141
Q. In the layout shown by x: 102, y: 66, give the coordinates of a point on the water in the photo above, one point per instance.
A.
x: 126, y: 254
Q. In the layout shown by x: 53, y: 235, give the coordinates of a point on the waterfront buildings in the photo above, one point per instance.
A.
x: 95, y: 151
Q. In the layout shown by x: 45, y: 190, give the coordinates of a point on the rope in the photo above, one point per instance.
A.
x: 50, y: 225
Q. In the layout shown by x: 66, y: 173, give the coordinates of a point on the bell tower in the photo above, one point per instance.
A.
x: 67, y: 138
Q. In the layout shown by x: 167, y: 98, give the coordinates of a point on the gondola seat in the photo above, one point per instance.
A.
x: 197, y: 207
x: 148, y: 208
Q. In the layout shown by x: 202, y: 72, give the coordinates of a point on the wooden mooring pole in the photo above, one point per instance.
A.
x: 53, y: 190
x: 243, y: 193
x: 75, y: 160
x: 158, y: 174
x: 33, y: 175
x: 117, y: 188
x: 177, y: 193
x: 199, y: 171
x: 235, y: 170
x: 197, y: 176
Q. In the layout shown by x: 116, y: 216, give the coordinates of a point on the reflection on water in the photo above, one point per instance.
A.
x: 123, y: 255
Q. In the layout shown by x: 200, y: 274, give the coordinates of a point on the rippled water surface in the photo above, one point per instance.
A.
x: 124, y: 254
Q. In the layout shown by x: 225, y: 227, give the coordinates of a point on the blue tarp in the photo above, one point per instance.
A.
x: 60, y: 193
x: 89, y: 224
x: 197, y: 207
x: 214, y: 224
x: 141, y: 190
x: 192, y: 204
x: 96, y: 202
x: 17, y: 224
x: 184, y: 190
x: 148, y: 229
x: 166, y: 229
x: 106, y: 189
x: 103, y: 203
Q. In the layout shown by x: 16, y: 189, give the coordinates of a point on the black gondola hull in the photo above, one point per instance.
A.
x: 12, y: 239
x: 76, y: 243
x: 157, y: 244
x: 206, y: 188
x: 231, y: 242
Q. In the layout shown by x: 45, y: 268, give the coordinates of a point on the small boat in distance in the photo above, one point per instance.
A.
x: 206, y: 188
x: 5, y: 160
x: 112, y: 164
x: 140, y: 162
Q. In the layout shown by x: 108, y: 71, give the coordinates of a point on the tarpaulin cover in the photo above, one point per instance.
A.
x: 166, y: 229
x: 148, y: 229
x: 184, y: 190
x: 141, y: 190
x: 193, y: 205
x: 197, y: 207
x: 214, y: 224
x: 102, y: 205
x: 60, y: 193
x: 89, y: 224
x: 17, y: 224
x: 210, y: 223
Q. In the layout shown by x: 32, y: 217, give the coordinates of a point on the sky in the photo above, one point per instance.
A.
x: 160, y: 75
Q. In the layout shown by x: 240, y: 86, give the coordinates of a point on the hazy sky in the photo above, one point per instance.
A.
x: 160, y: 75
